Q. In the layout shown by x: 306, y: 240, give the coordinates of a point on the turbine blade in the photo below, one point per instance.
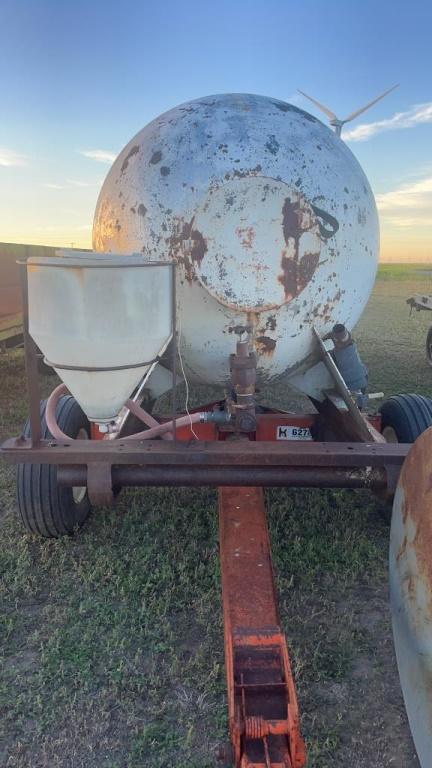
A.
x: 324, y: 109
x: 370, y: 104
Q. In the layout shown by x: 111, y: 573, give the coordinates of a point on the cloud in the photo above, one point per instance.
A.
x: 409, y: 205
x: 53, y: 186
x: 70, y: 183
x: 407, y: 221
x: 83, y: 184
x: 100, y: 155
x: 420, y: 114
x: 10, y: 158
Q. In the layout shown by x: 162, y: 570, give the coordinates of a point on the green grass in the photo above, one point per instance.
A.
x: 111, y: 646
x: 420, y: 271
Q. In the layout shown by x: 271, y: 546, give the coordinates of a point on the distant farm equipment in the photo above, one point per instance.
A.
x: 418, y: 303
x: 11, y: 316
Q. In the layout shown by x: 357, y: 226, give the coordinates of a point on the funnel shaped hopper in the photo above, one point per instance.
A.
x: 100, y: 321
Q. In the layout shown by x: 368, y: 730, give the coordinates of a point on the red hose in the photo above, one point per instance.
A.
x: 50, y: 414
x: 144, y: 416
x: 156, y: 429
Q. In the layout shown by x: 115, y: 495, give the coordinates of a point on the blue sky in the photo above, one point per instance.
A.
x: 79, y: 79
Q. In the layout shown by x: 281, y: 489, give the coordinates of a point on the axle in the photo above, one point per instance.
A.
x: 282, y: 477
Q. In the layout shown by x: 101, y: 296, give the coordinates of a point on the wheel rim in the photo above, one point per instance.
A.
x: 79, y: 491
x: 390, y: 435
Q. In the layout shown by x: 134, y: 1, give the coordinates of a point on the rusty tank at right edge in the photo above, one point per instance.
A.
x: 269, y: 216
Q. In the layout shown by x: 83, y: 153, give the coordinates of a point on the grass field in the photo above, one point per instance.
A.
x: 111, y: 642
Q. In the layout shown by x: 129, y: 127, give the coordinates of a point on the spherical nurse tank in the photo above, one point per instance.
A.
x: 269, y: 216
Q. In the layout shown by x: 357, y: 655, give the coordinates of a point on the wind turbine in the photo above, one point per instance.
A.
x: 335, y: 122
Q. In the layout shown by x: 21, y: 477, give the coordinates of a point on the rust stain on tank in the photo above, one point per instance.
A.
x: 291, y: 219
x: 243, y: 174
x: 288, y: 278
x: 297, y: 270
x: 194, y: 254
x: 199, y: 247
x: 131, y: 153
x: 246, y: 236
x: 416, y: 482
x: 253, y: 319
x: 306, y: 268
x: 264, y: 345
x: 156, y: 157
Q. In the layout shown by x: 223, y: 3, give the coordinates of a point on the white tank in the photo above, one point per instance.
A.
x: 86, y: 315
x: 269, y: 216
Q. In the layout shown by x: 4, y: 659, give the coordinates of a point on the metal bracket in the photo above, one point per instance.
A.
x: 99, y: 483
x: 362, y: 427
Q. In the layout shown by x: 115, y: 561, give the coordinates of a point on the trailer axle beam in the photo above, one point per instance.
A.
x: 284, y: 477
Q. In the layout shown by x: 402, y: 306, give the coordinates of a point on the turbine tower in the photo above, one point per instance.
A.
x: 335, y: 122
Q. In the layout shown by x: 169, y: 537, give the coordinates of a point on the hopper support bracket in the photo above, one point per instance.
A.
x: 99, y: 483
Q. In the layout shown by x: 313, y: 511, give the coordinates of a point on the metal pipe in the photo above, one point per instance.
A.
x: 30, y: 352
x: 166, y: 426
x: 342, y: 389
x: 297, y: 477
x: 174, y: 347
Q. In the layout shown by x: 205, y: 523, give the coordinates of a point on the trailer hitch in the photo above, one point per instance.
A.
x: 262, y: 703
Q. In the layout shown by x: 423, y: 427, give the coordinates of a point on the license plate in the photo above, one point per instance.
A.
x: 293, y: 433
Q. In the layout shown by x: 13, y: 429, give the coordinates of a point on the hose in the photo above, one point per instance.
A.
x: 50, y: 414
x: 156, y: 429
x: 161, y: 429
x: 144, y: 416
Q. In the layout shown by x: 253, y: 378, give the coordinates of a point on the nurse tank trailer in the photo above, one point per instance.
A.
x: 236, y: 242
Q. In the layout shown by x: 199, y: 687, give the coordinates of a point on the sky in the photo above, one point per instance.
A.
x: 78, y: 78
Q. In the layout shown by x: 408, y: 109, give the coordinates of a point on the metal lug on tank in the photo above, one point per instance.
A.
x: 243, y: 379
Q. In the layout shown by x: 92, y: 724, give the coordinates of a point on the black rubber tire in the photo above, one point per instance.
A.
x: 44, y: 507
x: 429, y: 346
x: 408, y: 415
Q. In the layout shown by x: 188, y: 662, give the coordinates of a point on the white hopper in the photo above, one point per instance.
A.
x: 100, y: 321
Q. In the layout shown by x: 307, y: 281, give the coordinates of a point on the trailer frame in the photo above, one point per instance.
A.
x: 343, y: 449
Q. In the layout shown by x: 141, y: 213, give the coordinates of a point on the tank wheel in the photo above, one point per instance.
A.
x: 405, y: 417
x: 429, y: 346
x: 44, y: 507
